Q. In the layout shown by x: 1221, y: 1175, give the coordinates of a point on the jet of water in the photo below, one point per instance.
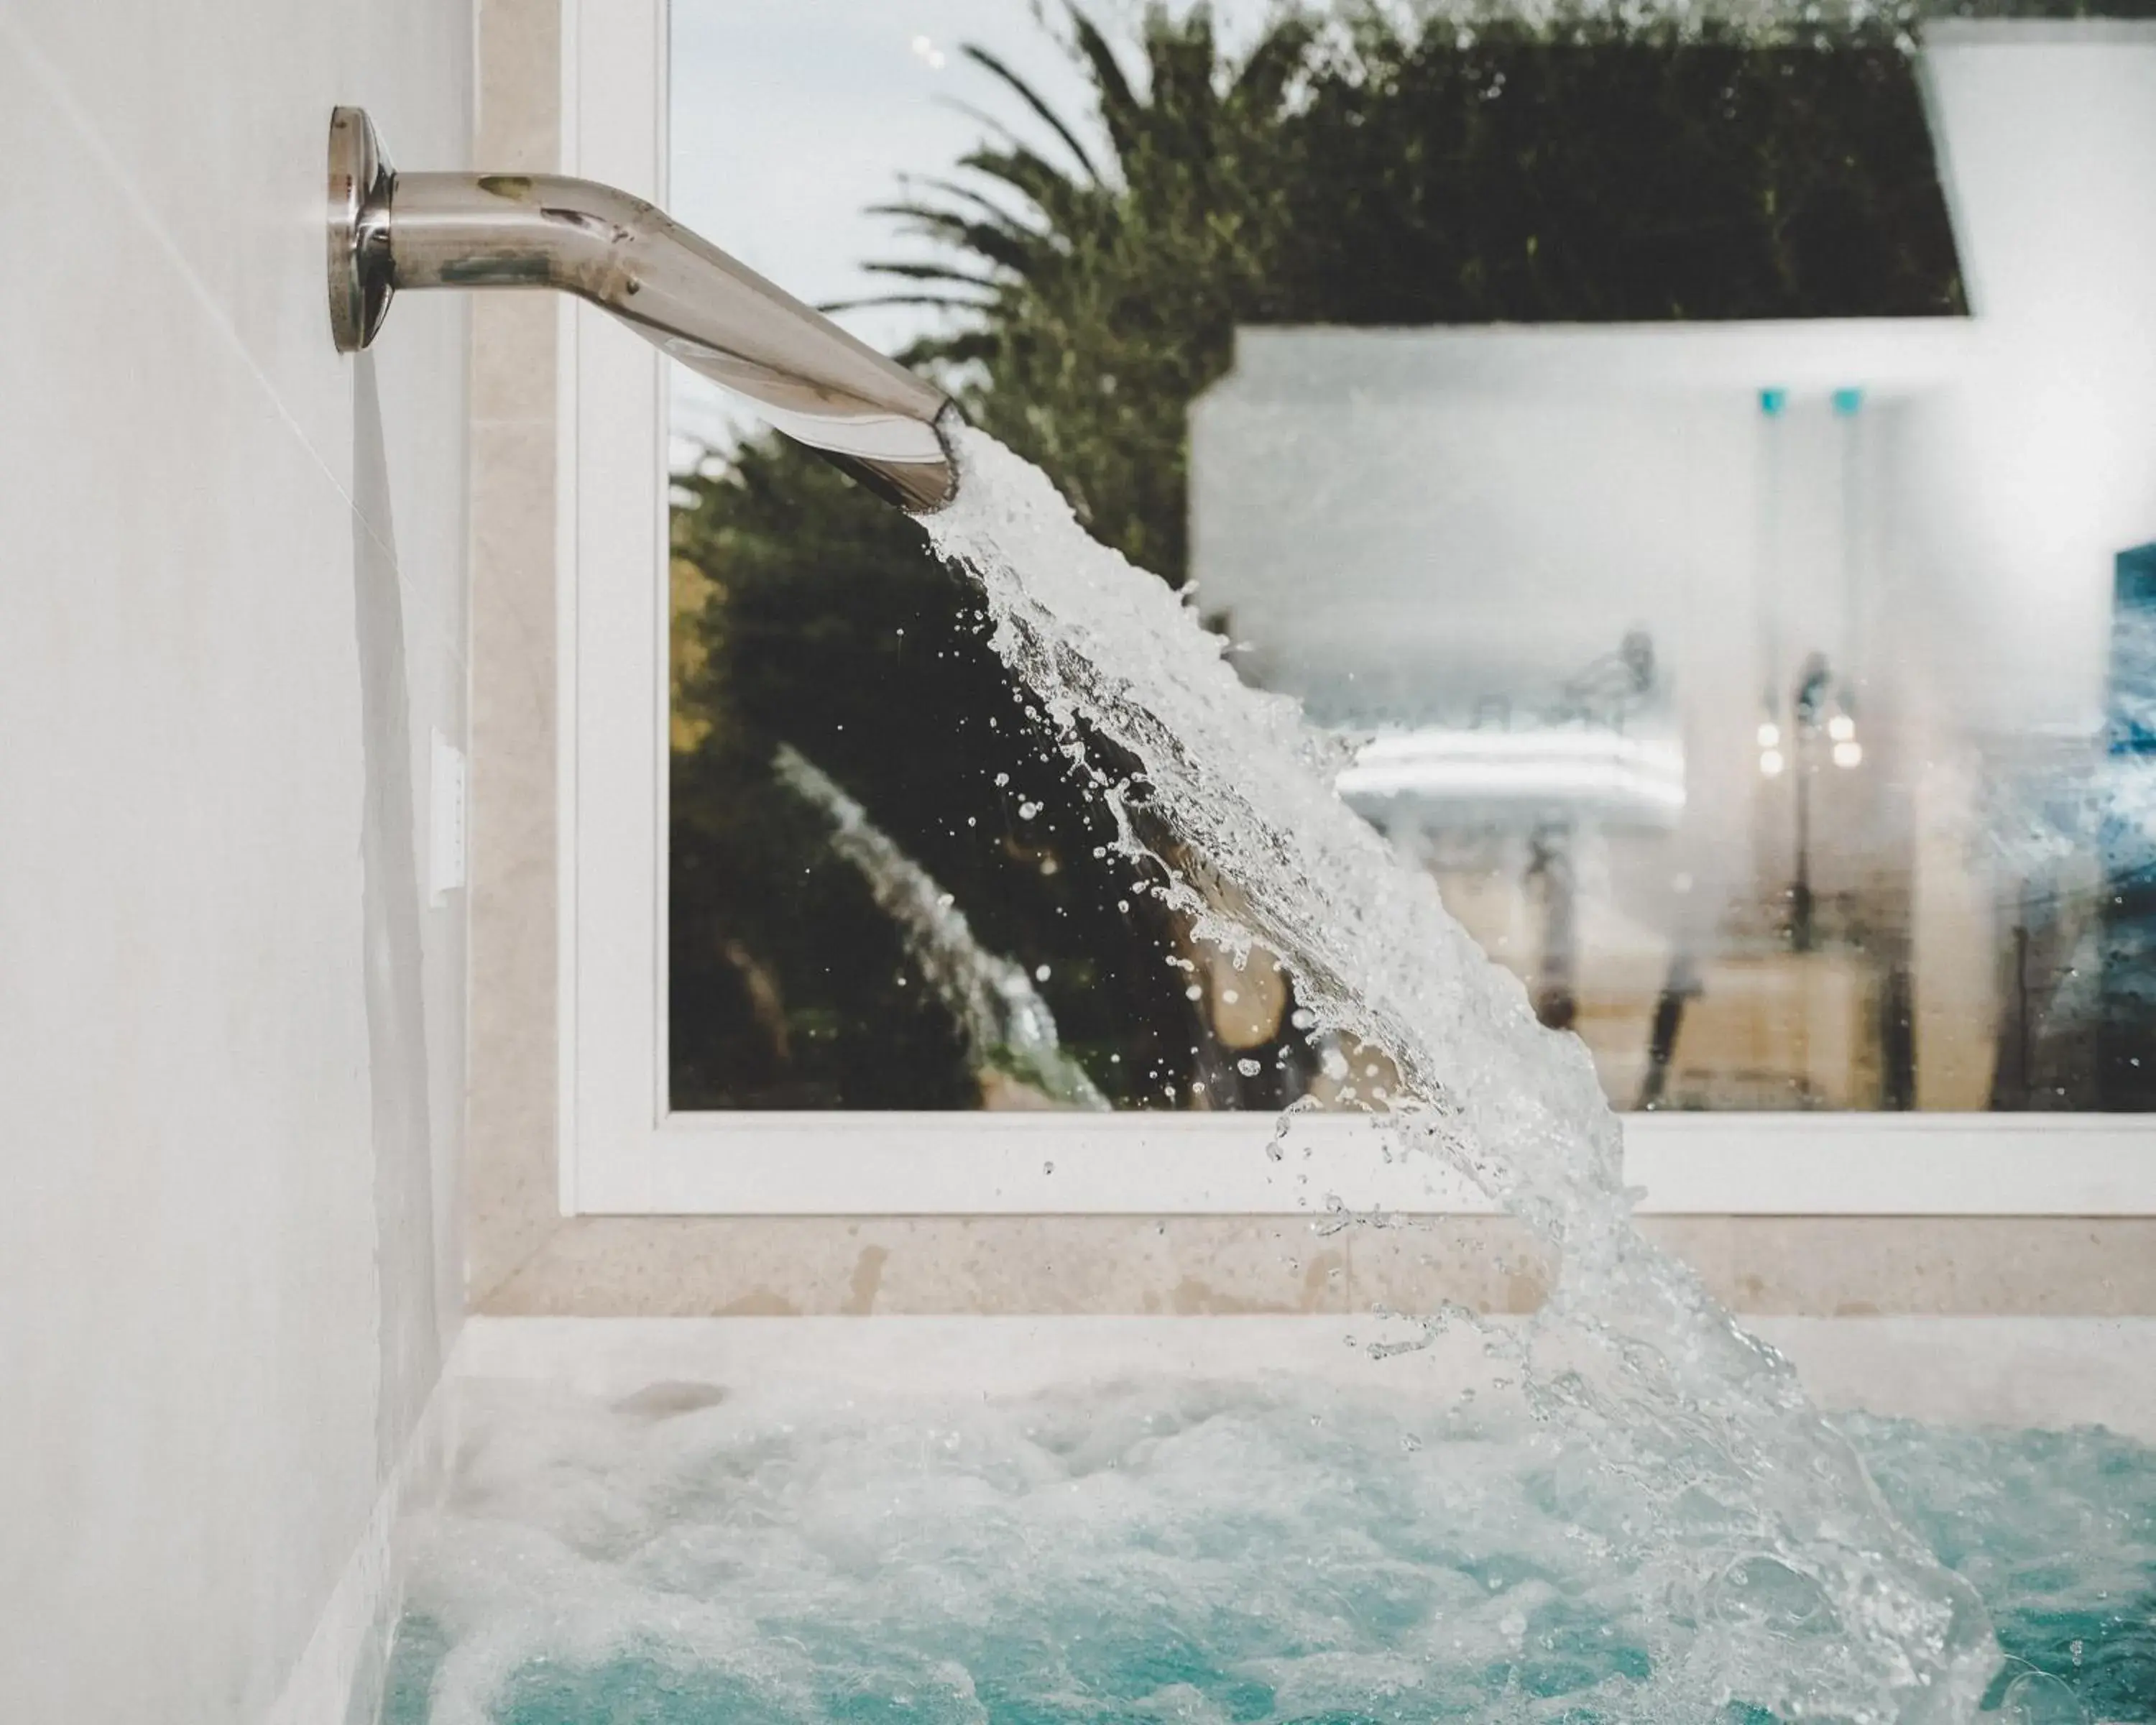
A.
x: 1757, y: 1540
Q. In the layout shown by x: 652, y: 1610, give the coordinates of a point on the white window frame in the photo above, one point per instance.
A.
x: 622, y: 1152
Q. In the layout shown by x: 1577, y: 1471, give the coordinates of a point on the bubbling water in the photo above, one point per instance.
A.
x: 1779, y: 1578
x: 1064, y: 1522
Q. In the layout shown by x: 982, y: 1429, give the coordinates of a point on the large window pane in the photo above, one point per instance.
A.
x: 1685, y: 650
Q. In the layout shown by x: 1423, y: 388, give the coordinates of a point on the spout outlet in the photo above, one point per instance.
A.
x: 807, y: 377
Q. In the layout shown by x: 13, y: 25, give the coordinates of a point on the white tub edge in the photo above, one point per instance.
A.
x: 1978, y: 1371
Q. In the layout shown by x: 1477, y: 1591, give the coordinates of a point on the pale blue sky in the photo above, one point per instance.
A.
x: 790, y: 116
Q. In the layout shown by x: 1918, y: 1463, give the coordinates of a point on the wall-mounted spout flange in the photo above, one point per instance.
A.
x: 390, y: 233
x: 360, y: 182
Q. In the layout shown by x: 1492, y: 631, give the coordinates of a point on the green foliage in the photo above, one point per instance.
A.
x: 1576, y: 169
x: 832, y: 629
x: 1100, y: 296
x: 1595, y: 172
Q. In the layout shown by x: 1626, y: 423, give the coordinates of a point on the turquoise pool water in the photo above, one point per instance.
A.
x: 1223, y: 1554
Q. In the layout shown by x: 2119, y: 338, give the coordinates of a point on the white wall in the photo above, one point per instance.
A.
x: 1440, y: 509
x: 1490, y: 505
x: 232, y: 581
x: 2041, y: 465
x: 1449, y: 514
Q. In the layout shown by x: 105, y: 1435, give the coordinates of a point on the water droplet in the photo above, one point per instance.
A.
x: 2039, y: 1698
x: 1247, y: 1067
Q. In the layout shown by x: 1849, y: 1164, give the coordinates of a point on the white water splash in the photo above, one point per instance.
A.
x: 1008, y: 1027
x: 1773, y: 1573
x: 934, y: 1542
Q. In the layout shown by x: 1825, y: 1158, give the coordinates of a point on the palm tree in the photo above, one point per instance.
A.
x: 1094, y: 290
x: 1095, y: 284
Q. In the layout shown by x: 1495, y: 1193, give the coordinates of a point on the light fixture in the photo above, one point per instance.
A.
x: 1848, y: 754
x: 1770, y: 763
x: 1841, y: 728
x: 1770, y: 735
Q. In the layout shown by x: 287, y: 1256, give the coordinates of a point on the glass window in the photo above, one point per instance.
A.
x: 1590, y: 426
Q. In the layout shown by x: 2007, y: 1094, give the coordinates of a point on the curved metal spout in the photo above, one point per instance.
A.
x: 804, y: 374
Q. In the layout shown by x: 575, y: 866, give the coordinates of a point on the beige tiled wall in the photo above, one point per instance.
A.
x: 510, y: 1188
x: 524, y: 1258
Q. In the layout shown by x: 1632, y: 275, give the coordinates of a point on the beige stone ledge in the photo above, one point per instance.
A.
x: 1194, y: 1266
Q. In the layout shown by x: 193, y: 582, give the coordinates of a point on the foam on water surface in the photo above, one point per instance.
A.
x: 1225, y: 1553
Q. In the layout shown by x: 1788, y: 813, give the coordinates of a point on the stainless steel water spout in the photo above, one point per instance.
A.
x: 804, y: 374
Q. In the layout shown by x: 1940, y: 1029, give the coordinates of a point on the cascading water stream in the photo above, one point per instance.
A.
x: 1757, y: 1541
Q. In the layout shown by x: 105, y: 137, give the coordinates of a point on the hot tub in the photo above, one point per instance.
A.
x: 1224, y: 1519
